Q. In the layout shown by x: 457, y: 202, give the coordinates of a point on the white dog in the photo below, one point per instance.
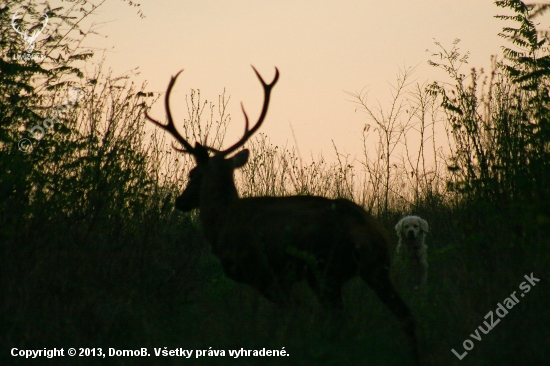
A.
x: 411, y: 250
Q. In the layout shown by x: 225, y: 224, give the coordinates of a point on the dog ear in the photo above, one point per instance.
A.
x: 398, y: 227
x: 424, y: 225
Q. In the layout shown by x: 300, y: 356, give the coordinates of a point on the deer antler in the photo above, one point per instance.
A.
x: 247, y: 132
x: 199, y: 152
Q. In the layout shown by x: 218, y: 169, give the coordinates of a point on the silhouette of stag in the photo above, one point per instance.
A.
x: 270, y: 243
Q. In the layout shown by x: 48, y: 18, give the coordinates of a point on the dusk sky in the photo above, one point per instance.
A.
x: 321, y: 49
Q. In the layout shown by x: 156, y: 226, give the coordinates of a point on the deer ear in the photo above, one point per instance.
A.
x: 240, y: 158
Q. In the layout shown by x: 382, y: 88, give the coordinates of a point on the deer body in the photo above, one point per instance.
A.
x: 290, y: 239
x: 270, y: 243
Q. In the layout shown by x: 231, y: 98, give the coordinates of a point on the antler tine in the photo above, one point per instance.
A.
x: 205, y: 145
x: 14, y: 17
x: 170, y: 127
x: 247, y: 132
x: 46, y: 17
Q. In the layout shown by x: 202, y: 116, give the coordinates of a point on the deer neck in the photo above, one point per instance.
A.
x: 216, y: 197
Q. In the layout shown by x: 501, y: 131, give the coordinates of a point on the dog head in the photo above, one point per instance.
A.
x: 411, y: 228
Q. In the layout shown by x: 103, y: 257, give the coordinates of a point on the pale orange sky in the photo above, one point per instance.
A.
x: 321, y: 49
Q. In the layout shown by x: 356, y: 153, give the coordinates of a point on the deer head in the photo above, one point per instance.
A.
x: 218, y: 168
x: 29, y: 39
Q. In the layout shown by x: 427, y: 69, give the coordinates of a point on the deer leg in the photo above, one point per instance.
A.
x: 329, y: 293
x: 331, y: 296
x: 379, y: 280
x: 276, y: 292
